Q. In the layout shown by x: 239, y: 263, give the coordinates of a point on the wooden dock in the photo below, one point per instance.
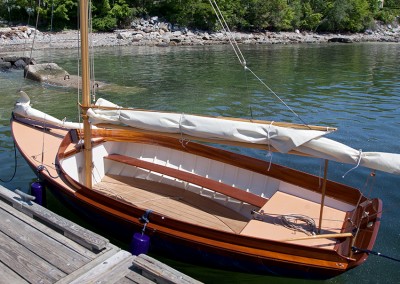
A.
x: 38, y: 246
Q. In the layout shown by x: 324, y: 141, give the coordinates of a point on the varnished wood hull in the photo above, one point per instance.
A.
x: 214, y: 247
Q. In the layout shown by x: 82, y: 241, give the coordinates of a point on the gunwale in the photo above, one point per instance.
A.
x: 321, y: 261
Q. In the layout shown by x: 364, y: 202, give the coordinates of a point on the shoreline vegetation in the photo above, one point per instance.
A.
x: 155, y: 33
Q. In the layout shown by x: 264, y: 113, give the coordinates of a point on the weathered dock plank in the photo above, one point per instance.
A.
x: 26, y: 264
x: 115, y: 267
x: 160, y: 272
x: 135, y: 278
x: 79, y: 234
x: 46, y: 230
x: 38, y: 246
x: 64, y: 258
x: 9, y: 276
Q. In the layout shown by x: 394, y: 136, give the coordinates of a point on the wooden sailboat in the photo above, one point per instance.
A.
x: 202, y: 202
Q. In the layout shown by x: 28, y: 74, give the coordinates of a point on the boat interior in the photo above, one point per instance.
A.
x: 132, y: 173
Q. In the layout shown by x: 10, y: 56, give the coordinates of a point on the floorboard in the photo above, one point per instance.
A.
x: 171, y: 201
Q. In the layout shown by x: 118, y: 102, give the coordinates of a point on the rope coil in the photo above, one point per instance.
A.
x: 298, y: 222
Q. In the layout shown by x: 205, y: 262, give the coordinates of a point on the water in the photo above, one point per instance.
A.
x: 352, y: 87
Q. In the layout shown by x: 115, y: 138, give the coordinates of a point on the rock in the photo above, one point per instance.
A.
x: 137, y: 37
x: 20, y: 64
x: 52, y: 74
x: 124, y: 35
x: 42, y: 72
x: 176, y: 40
x: 153, y: 20
x: 177, y: 33
x: 5, y: 65
x: 152, y: 31
x: 148, y: 30
x: 206, y: 36
x: 162, y: 44
x: 16, y: 62
x: 340, y: 39
x: 164, y: 27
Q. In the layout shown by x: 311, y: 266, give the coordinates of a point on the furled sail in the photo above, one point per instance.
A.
x: 23, y: 108
x: 283, y: 139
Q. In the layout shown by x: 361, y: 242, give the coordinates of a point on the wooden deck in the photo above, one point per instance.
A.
x: 171, y: 201
x: 38, y: 246
x: 286, y: 204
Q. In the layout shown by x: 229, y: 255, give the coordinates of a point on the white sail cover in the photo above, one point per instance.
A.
x: 281, y: 138
x: 23, y: 108
x: 310, y: 142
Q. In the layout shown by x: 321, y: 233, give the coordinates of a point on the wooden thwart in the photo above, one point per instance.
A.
x: 219, y: 187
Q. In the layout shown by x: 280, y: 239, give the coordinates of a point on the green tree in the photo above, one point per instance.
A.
x: 311, y: 15
x: 58, y: 14
x: 273, y: 14
x: 17, y: 10
x: 348, y: 15
x: 321, y: 15
x: 107, y: 16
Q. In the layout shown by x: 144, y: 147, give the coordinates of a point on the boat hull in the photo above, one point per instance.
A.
x: 179, y: 239
x: 190, y: 251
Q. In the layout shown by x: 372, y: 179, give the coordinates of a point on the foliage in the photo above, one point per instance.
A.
x: 348, y: 15
x: 321, y: 15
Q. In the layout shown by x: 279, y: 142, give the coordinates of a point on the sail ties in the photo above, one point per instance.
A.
x: 269, y: 153
x: 182, y: 140
x: 358, y: 163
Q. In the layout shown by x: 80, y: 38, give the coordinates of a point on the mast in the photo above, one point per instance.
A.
x: 84, y: 23
x: 321, y: 212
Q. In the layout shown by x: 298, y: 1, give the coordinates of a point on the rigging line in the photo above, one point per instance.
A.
x: 92, y: 76
x: 367, y: 184
x: 43, y: 138
x: 51, y: 29
x: 225, y: 27
x: 276, y: 95
x: 358, y: 163
x: 15, y: 166
x: 29, y: 20
x: 78, y: 67
x: 242, y: 59
x: 33, y: 41
x: 42, y: 168
x: 367, y: 251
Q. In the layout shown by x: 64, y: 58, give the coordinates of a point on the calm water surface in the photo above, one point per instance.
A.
x: 352, y: 87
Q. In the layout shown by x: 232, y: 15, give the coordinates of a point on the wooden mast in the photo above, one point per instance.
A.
x: 84, y: 23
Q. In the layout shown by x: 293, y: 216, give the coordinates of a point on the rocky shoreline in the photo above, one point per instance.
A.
x: 157, y: 33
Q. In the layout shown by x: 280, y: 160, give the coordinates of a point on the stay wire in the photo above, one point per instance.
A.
x: 33, y: 41
x: 242, y: 60
x: 51, y: 30
x: 92, y: 73
x: 225, y: 27
x: 367, y: 251
x: 79, y: 56
x: 278, y: 97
